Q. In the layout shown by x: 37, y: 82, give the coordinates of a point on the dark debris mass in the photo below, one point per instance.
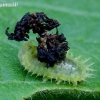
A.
x: 51, y: 48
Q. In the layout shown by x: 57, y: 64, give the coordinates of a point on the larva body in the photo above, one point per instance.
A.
x: 71, y: 70
x: 50, y: 58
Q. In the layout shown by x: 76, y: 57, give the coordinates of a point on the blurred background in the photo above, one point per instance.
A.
x: 79, y: 19
x: 75, y: 16
x: 80, y: 23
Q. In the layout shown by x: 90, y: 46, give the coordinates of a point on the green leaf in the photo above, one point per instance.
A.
x: 80, y: 22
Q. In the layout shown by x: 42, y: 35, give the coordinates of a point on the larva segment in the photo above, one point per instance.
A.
x: 71, y: 70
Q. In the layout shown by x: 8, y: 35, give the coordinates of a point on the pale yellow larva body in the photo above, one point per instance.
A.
x: 71, y: 70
